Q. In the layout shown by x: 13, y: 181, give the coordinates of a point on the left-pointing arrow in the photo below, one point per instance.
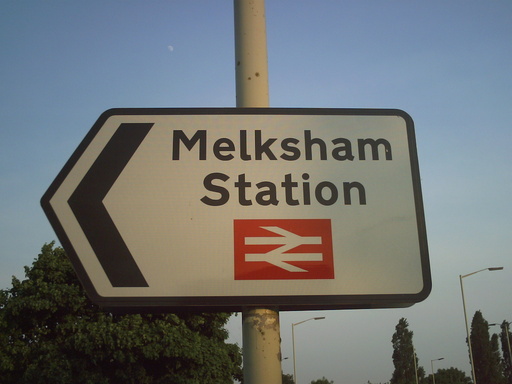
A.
x: 86, y: 202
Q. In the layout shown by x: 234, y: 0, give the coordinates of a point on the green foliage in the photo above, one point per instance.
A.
x: 496, y: 366
x: 403, y: 355
x: 506, y: 342
x: 481, y: 347
x: 485, y: 352
x: 422, y: 379
x: 450, y: 376
x: 51, y: 333
x: 287, y: 378
x: 323, y: 380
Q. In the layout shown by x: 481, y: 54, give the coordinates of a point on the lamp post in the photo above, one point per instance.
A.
x: 466, y: 316
x: 508, y: 341
x: 415, y: 365
x: 432, y: 367
x: 293, y: 344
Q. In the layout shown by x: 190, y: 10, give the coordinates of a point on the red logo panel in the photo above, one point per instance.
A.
x: 283, y: 249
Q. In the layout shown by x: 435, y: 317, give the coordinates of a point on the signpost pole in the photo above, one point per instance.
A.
x: 261, y: 333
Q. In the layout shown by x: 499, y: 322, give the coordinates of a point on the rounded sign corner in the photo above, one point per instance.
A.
x: 426, y: 291
x: 405, y: 116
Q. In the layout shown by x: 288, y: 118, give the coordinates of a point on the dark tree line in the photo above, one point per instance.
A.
x: 506, y: 346
x: 491, y: 365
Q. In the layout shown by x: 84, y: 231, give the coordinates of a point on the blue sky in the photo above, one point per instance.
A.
x: 447, y: 64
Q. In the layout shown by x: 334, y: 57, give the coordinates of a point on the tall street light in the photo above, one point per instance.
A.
x: 466, y: 316
x: 293, y: 344
x: 432, y: 367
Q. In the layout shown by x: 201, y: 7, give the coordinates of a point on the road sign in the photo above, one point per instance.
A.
x: 232, y: 207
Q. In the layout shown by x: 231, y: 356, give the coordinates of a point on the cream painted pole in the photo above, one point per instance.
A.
x: 251, y: 54
x: 261, y: 333
x: 261, y: 346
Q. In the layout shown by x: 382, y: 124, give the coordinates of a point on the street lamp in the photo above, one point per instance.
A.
x: 293, y: 344
x: 432, y: 367
x: 466, y: 316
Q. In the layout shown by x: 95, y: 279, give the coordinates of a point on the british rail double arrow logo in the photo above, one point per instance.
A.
x: 283, y: 249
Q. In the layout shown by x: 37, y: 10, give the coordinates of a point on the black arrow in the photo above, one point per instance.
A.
x: 86, y: 202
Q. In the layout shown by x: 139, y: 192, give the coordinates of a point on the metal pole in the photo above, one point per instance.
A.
x: 506, y: 324
x: 466, y: 316
x: 415, y: 365
x: 293, y: 349
x: 293, y: 344
x: 508, y: 343
x: 432, y: 367
x: 261, y: 331
x: 467, y: 331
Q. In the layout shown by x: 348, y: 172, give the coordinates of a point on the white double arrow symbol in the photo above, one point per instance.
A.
x: 277, y: 256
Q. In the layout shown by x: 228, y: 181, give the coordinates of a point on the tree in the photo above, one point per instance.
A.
x: 450, y: 376
x: 323, y: 380
x: 287, y: 378
x: 506, y: 341
x: 422, y: 378
x: 403, y: 355
x: 496, y: 363
x: 51, y: 333
x: 485, y: 352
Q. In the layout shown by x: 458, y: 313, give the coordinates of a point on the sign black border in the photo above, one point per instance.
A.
x: 237, y: 303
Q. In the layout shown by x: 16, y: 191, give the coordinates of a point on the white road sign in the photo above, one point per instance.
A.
x: 226, y: 208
